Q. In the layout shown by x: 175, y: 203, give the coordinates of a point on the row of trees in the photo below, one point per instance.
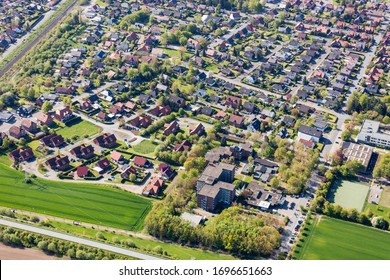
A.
x: 382, y: 169
x: 372, y: 107
x: 52, y: 246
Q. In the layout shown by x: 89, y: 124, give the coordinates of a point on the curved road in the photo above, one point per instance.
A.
x: 79, y: 240
x: 37, y: 39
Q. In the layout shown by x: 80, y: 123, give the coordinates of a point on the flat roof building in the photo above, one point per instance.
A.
x: 372, y: 133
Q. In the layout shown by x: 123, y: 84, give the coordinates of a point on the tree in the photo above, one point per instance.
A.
x: 274, y: 183
x: 380, y: 222
x: 346, y: 135
x: 382, y: 169
x: 47, y: 106
x: 132, y: 177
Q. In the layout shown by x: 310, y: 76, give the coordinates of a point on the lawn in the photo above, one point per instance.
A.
x: 332, y: 239
x: 385, y: 197
x: 378, y: 210
x: 81, y: 129
x: 174, y: 250
x: 89, y: 203
x: 348, y: 194
x: 145, y: 147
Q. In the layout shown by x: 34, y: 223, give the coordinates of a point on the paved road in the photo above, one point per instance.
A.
x: 79, y: 240
x: 37, y: 39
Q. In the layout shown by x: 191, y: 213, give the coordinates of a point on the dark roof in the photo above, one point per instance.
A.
x: 310, y: 131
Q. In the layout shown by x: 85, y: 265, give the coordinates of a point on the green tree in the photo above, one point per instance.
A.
x: 47, y: 106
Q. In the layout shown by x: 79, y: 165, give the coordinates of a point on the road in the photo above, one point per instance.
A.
x: 79, y: 240
x: 46, y: 30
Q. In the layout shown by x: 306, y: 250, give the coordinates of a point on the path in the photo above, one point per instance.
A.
x: 79, y: 240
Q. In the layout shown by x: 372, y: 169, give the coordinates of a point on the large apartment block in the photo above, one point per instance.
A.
x: 214, y: 186
x: 372, y: 133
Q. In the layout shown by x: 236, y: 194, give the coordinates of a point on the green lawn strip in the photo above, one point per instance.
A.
x: 174, y: 251
x: 81, y: 129
x: 304, y: 240
x: 90, y: 203
x: 335, y: 239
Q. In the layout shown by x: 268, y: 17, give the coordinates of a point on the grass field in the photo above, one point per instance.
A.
x: 348, y: 194
x: 81, y: 129
x: 82, y: 202
x: 378, y: 210
x: 174, y: 250
x: 385, y: 197
x: 331, y: 239
x: 145, y: 147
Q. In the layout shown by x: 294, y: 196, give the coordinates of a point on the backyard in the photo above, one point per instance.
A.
x: 348, y: 194
x: 90, y: 203
x: 332, y: 239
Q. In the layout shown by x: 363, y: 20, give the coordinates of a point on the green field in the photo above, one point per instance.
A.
x: 378, y: 210
x: 331, y: 239
x: 145, y: 147
x: 80, y: 129
x: 348, y: 194
x: 385, y: 197
x: 89, y: 203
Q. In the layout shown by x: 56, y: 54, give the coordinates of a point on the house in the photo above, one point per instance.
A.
x: 220, y: 115
x: 258, y: 197
x: 117, y: 157
x: 29, y: 125
x: 233, y: 101
x: 58, y: 163
x: 193, y: 44
x: 308, y: 144
x: 102, y: 116
x: 268, y: 113
x: 171, y: 128
x: 208, y: 111
x: 52, y: 140
x: 126, y: 174
x: 320, y: 125
x: 241, y: 151
x: 83, y: 151
x: 264, y: 170
x: 236, y: 121
x: 198, y: 130
x: 154, y: 187
x: 176, y: 102
x: 309, y: 133
x: 82, y: 171
x: 184, y: 146
x: 165, y: 171
x: 159, y: 111
x: 64, y: 114
x: 21, y: 154
x: 141, y: 121
x: 142, y: 162
x: 106, y: 140
x: 17, y: 132
x: 6, y: 116
x: 103, y: 165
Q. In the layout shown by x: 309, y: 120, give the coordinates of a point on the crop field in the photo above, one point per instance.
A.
x: 80, y: 129
x: 348, y: 194
x: 89, y: 203
x: 332, y: 239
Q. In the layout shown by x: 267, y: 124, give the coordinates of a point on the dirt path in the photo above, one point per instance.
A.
x: 11, y: 253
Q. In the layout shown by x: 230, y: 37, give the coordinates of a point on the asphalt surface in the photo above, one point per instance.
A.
x: 79, y: 240
x: 37, y: 39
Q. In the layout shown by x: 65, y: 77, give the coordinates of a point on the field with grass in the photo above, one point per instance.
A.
x: 385, y: 197
x: 80, y: 129
x: 174, y: 250
x: 332, y: 239
x: 348, y: 194
x: 145, y: 147
x: 89, y: 203
x: 378, y: 210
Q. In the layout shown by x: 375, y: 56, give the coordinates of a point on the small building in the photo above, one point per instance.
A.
x: 82, y: 171
x: 309, y: 133
x: 142, y: 162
